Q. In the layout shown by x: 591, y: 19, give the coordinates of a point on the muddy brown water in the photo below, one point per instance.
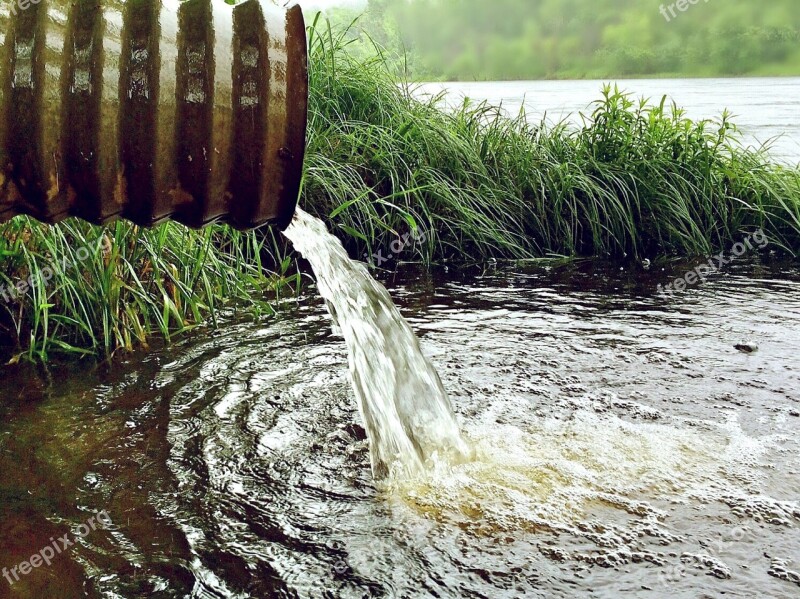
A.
x: 623, y: 447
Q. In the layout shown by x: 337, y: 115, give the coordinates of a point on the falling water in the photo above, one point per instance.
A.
x: 407, y: 414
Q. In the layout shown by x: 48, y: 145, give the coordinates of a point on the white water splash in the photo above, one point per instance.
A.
x: 407, y: 415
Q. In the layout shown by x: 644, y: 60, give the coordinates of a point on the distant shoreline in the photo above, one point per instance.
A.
x: 663, y: 76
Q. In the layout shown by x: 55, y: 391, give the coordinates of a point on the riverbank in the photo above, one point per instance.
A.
x: 397, y: 179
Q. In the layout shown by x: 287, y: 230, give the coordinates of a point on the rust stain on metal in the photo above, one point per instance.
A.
x: 181, y: 198
x: 120, y: 189
x: 53, y: 191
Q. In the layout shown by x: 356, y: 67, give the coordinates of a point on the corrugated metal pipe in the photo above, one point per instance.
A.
x: 151, y: 110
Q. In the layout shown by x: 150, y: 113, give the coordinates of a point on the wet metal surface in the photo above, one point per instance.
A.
x: 152, y: 109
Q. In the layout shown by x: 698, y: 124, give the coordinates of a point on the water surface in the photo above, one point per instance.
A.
x: 623, y: 446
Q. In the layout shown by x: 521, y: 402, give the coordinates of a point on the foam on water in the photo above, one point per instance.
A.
x: 556, y: 472
x: 596, y: 490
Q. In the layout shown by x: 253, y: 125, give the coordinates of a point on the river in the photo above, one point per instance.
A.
x: 765, y: 109
x: 624, y: 447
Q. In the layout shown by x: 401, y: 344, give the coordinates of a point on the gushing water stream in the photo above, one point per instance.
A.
x: 407, y: 415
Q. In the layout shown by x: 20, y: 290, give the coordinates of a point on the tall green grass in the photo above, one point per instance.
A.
x: 94, y: 290
x: 635, y: 180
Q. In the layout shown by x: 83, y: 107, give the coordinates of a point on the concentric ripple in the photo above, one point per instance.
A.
x: 622, y: 446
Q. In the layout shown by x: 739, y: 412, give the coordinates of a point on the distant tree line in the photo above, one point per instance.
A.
x: 538, y: 39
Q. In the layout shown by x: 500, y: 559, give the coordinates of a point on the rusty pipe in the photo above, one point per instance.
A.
x: 151, y: 110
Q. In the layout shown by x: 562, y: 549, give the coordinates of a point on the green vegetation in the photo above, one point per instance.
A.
x: 122, y: 284
x: 637, y: 180
x: 579, y: 39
